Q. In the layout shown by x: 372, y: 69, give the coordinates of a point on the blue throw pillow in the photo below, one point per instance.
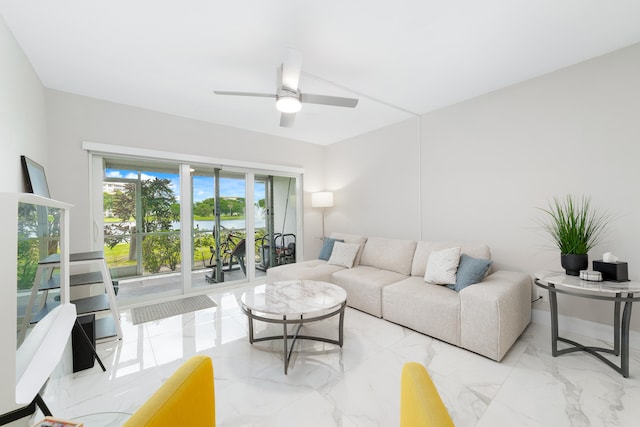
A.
x: 470, y: 270
x: 327, y: 248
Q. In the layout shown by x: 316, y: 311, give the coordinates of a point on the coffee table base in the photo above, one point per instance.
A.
x: 298, y: 321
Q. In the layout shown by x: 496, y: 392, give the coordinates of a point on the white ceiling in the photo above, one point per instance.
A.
x: 399, y: 57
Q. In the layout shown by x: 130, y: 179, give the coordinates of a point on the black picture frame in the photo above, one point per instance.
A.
x: 34, y: 177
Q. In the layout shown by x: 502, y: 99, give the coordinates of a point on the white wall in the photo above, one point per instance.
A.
x: 22, y: 131
x: 375, y: 179
x: 22, y: 113
x: 486, y: 165
x: 74, y: 119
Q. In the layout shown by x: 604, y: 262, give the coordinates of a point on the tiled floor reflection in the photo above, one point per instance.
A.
x: 358, y: 385
x: 137, y: 290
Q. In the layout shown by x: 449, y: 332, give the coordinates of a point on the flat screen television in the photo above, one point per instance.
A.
x: 34, y: 177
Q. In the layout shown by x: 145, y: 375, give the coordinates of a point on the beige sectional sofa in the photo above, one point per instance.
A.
x: 387, y: 281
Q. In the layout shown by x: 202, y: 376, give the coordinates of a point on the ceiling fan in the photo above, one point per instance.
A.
x: 289, y: 98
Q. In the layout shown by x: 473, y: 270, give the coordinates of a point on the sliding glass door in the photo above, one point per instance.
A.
x: 142, y: 224
x: 276, y: 237
x: 221, y: 225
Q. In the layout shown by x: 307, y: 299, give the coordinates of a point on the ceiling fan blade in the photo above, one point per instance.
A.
x: 329, y: 100
x: 287, y: 119
x: 291, y: 65
x: 263, y: 95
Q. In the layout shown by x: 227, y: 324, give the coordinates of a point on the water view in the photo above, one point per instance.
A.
x: 230, y: 224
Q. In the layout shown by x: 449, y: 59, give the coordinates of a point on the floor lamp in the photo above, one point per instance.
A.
x: 322, y: 199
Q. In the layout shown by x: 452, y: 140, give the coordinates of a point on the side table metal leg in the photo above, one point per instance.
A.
x: 553, y: 308
x: 626, y: 320
x: 250, y: 317
x: 616, y: 327
x: 341, y: 325
x: 284, y: 340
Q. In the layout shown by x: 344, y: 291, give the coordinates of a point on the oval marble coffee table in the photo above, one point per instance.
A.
x: 294, y: 302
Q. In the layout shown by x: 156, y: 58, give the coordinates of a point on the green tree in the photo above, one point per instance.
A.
x: 152, y: 253
x: 159, y: 208
x: 28, y: 258
x: 204, y: 208
x: 175, y: 209
x: 124, y: 203
x: 234, y: 206
x: 107, y: 201
x: 229, y: 206
x: 171, y: 251
x: 157, y: 198
x: 158, y: 204
x: 123, y: 206
x: 34, y: 242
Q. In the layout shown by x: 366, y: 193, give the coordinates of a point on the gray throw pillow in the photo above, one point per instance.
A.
x: 470, y: 270
x: 327, y: 248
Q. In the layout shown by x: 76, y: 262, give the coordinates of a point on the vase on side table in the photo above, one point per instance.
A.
x: 573, y: 263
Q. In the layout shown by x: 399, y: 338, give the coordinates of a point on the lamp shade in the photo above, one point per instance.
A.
x: 322, y: 199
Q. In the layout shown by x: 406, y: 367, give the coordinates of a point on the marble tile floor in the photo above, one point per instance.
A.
x: 358, y: 385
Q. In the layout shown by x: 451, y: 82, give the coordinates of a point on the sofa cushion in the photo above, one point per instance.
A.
x: 470, y: 271
x: 389, y: 254
x: 423, y: 249
x: 351, y: 238
x: 430, y: 309
x: 327, y: 248
x: 442, y: 266
x: 344, y: 254
x: 310, y: 270
x: 363, y: 285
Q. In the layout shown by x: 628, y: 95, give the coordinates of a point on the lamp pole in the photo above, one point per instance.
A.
x: 323, y: 224
x: 322, y: 199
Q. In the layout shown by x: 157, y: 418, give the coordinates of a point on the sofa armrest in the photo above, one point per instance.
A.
x: 314, y: 269
x: 494, y: 313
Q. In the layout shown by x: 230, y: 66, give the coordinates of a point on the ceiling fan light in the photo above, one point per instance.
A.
x: 288, y: 104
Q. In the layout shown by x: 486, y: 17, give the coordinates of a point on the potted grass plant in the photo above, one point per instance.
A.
x: 575, y: 227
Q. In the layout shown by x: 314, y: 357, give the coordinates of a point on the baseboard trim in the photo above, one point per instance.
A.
x: 584, y: 327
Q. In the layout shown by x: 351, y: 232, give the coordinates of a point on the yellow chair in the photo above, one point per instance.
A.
x: 420, y: 403
x: 187, y: 398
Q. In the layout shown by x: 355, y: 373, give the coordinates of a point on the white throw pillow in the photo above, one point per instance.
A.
x: 344, y: 254
x: 442, y: 266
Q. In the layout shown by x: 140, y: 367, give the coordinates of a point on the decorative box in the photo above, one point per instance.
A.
x: 613, y: 271
x: 592, y: 276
